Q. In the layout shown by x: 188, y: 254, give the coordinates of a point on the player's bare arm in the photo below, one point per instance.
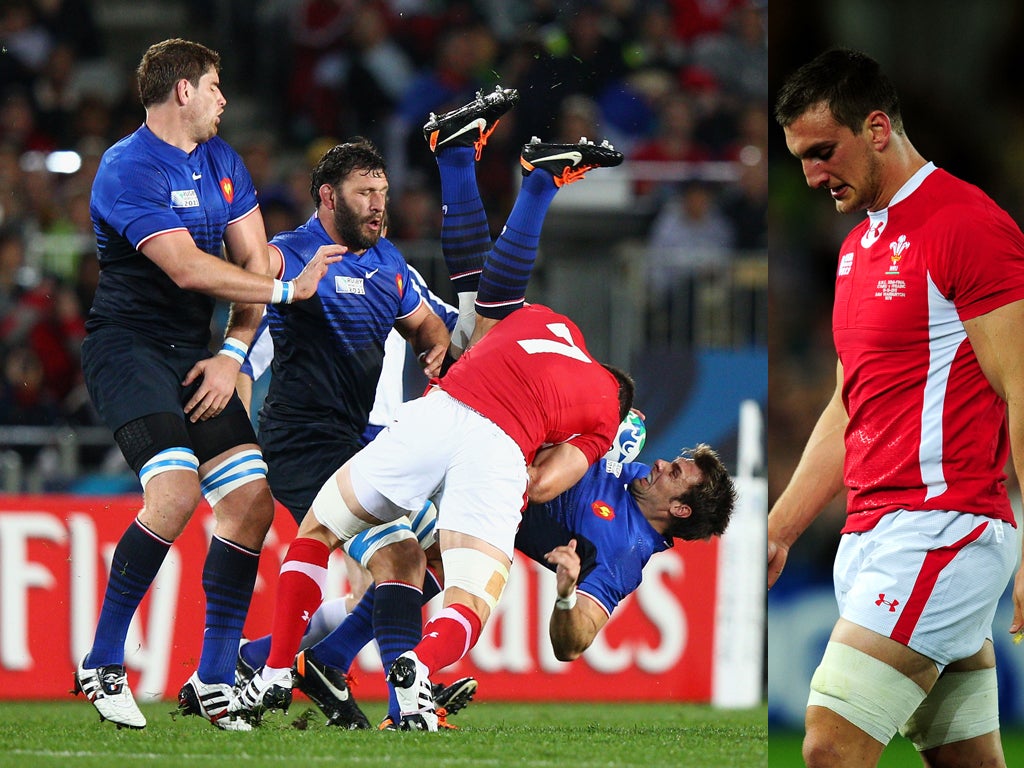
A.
x: 245, y: 243
x: 574, y: 621
x: 428, y: 335
x: 194, y: 270
x: 817, y: 479
x: 554, y: 470
x: 995, y: 337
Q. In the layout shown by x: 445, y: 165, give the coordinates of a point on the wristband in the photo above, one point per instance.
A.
x: 234, y: 349
x: 283, y: 292
x: 566, y: 603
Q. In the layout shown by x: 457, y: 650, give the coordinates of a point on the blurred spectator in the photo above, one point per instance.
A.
x: 12, y: 204
x: 745, y: 205
x: 673, y: 142
x: 656, y: 46
x: 577, y: 116
x: 25, y: 40
x: 716, y: 120
x: 464, y: 63
x: 47, y: 319
x: 66, y: 237
x: 72, y: 23
x: 56, y: 95
x: 374, y: 74
x: 317, y: 28
x: 416, y: 213
x: 696, y: 19
x: 13, y: 272
x: 581, y: 57
x: 688, y: 234
x: 19, y: 123
x: 738, y: 59
x: 750, y: 145
x: 24, y: 398
x: 688, y: 249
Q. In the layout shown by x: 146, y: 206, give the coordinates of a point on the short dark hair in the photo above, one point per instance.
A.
x: 356, y: 154
x: 627, y: 390
x: 712, y: 500
x: 167, y: 62
x: 850, y: 83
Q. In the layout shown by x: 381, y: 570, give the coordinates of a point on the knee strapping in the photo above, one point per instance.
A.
x: 961, y: 705
x: 869, y: 693
x: 168, y: 460
x: 234, y: 472
x: 475, y: 572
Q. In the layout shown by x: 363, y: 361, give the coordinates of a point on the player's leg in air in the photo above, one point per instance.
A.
x: 499, y: 276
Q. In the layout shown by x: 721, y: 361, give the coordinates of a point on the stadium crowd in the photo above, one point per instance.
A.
x: 680, y: 86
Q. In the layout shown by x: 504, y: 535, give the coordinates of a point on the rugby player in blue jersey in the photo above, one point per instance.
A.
x: 328, y: 355
x: 164, y: 201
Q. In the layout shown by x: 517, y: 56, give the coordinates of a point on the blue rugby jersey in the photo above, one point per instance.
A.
x: 600, y: 510
x: 328, y: 349
x: 145, y: 187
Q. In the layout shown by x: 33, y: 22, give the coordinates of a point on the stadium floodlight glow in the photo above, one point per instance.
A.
x: 64, y: 161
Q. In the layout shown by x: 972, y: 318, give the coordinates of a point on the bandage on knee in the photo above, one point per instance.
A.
x: 333, y: 513
x: 961, y: 705
x: 171, y: 459
x: 475, y: 572
x: 863, y: 690
x: 234, y: 472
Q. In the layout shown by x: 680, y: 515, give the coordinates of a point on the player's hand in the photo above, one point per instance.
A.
x: 777, y: 554
x: 1018, y: 602
x: 567, y: 567
x: 213, y: 393
x: 311, y: 274
x: 430, y: 360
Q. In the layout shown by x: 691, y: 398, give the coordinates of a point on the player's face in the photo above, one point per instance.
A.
x: 837, y: 159
x: 670, y: 479
x: 206, y: 107
x: 359, y: 209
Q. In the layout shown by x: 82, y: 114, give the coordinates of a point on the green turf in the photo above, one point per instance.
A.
x: 784, y: 751
x: 44, y: 734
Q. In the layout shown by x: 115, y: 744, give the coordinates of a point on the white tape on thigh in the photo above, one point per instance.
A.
x: 166, y: 461
x: 333, y: 513
x: 234, y: 472
x: 961, y: 705
x: 475, y: 572
x: 867, y: 692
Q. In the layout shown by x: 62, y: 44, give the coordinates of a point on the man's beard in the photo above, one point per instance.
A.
x: 350, y: 230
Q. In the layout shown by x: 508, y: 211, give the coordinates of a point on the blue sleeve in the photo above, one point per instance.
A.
x: 131, y: 194
x: 291, y: 254
x: 243, y: 198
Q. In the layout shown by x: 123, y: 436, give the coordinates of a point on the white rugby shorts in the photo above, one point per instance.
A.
x: 928, y: 579
x: 441, y: 450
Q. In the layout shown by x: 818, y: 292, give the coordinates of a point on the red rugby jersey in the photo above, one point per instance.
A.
x: 926, y: 430
x: 533, y: 377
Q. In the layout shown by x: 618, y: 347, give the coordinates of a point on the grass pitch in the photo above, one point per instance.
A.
x: 68, y: 733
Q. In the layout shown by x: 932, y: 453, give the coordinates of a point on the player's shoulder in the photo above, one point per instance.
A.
x: 218, y: 147
x: 309, y: 234
x: 388, y: 254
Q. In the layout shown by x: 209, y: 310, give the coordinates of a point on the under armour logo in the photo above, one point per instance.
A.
x: 305, y: 615
x: 891, y: 603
